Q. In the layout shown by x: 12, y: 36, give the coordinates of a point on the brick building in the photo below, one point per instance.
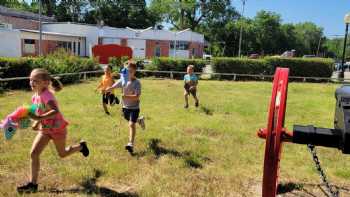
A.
x: 22, y: 37
x: 145, y: 43
x: 21, y: 19
x: 19, y: 33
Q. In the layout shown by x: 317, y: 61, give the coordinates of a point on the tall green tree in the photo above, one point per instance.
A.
x: 309, y: 37
x: 71, y: 10
x: 268, y: 32
x: 184, y: 14
x: 121, y: 13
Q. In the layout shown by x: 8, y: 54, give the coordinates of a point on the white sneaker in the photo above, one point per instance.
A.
x: 141, y: 121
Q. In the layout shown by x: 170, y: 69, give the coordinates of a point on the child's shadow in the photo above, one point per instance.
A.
x: 191, y: 160
x: 88, y: 186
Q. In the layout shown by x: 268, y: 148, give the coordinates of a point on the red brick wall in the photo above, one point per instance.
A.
x: 19, y: 23
x: 48, y: 46
x: 198, y: 49
x: 152, y: 44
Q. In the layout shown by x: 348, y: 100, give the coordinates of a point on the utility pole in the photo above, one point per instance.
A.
x: 40, y: 28
x: 241, y: 30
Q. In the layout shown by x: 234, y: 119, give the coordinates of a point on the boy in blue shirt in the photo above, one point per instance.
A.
x: 191, y: 82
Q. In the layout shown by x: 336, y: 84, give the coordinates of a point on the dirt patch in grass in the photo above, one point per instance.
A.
x: 202, y: 131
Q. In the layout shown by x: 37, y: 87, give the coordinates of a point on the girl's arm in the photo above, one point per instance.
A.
x: 115, y: 85
x: 52, y: 111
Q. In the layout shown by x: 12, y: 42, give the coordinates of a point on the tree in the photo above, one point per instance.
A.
x: 71, y: 10
x: 309, y: 37
x: 183, y: 14
x: 334, y: 48
x: 121, y: 13
x: 268, y: 31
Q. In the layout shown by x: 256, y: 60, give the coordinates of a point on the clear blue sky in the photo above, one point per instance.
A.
x: 328, y: 14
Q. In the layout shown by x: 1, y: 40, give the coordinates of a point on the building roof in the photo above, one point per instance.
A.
x: 51, y: 33
x: 24, y: 14
x: 126, y: 28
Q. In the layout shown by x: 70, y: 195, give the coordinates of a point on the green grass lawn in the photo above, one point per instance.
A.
x: 209, y: 151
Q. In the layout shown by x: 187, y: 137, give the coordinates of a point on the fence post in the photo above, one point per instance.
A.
x: 171, y: 75
x: 84, y: 76
x: 304, y: 79
x: 234, y: 77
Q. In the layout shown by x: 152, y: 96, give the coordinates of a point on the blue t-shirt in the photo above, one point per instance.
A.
x: 192, y: 77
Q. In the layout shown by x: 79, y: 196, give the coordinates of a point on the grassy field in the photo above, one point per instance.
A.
x: 209, y: 151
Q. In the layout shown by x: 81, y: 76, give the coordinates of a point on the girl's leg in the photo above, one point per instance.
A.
x: 40, y: 142
x: 186, y: 98
x: 104, y: 103
x: 105, y: 107
x: 64, y: 151
x: 132, y: 132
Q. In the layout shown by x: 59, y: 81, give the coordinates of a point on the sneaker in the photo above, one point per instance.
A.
x: 28, y: 188
x: 84, y: 149
x: 141, y: 121
x: 197, y: 104
x: 186, y: 106
x: 107, y: 112
x: 130, y: 148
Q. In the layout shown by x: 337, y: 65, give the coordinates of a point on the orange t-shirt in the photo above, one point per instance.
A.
x: 106, y: 82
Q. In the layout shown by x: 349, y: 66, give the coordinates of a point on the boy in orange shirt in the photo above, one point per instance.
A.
x: 108, y: 97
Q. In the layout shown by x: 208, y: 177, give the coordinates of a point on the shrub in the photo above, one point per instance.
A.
x: 303, y: 67
x: 176, y: 64
x: 56, y: 63
x: 117, y: 62
x: 313, y: 67
x: 239, y: 66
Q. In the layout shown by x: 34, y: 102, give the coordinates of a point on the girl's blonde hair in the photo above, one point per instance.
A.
x: 44, y: 75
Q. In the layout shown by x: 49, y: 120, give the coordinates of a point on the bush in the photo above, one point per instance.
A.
x: 313, y: 67
x: 15, y: 67
x: 117, y: 62
x: 239, y: 66
x: 175, y: 64
x: 56, y: 63
x: 303, y: 67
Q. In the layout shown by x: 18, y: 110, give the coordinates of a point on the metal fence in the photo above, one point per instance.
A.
x: 178, y: 74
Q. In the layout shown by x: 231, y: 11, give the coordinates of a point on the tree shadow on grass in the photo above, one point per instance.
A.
x: 88, y: 186
x: 190, y: 159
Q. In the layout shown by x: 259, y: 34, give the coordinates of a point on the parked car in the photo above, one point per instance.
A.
x: 207, y: 56
x: 254, y: 56
x: 290, y: 53
x: 141, y: 63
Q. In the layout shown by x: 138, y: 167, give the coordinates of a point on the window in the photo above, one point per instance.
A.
x: 157, y: 51
x: 78, y: 48
x: 69, y: 46
x: 193, y: 52
x: 180, y: 45
x: 65, y: 45
x: 74, y: 48
x: 29, y: 46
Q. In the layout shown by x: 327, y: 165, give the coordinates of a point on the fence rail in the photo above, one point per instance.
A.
x: 234, y: 76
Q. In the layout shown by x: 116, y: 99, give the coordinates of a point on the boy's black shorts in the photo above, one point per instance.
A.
x: 131, y: 114
x: 187, y: 89
x: 109, y: 98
